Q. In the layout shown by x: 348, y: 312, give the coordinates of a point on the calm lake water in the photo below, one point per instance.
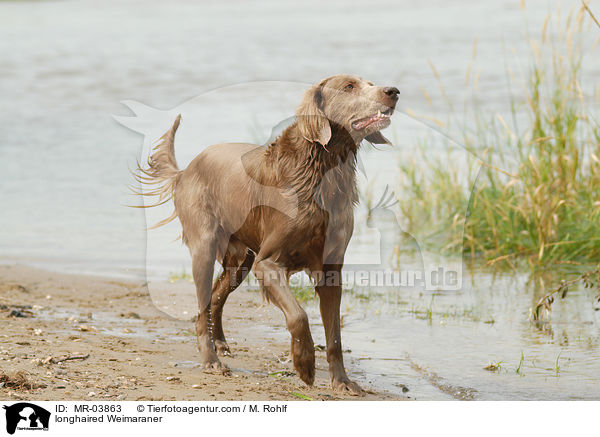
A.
x: 235, y: 72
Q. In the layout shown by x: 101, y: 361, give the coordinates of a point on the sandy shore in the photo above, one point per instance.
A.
x: 70, y: 337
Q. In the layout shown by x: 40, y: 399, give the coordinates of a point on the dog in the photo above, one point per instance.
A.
x: 276, y: 210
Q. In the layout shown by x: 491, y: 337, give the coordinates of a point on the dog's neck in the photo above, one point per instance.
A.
x: 316, y: 173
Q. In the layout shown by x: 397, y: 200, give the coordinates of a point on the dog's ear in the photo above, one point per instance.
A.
x: 312, y: 122
x: 377, y: 138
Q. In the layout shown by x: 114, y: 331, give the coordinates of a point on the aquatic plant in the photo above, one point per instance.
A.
x: 494, y: 366
x: 546, y: 209
x: 519, y: 369
x: 540, y: 313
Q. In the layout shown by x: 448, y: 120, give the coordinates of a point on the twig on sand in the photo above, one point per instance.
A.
x: 56, y: 360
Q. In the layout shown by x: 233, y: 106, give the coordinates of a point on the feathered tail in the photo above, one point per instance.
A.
x: 161, y: 172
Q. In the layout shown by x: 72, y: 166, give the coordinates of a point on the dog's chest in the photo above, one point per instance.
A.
x: 324, y: 220
x: 318, y: 232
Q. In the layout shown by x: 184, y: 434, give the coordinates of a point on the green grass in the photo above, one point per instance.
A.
x: 537, y: 196
x: 180, y: 276
x: 519, y: 369
x: 496, y: 366
x: 557, y: 365
x: 303, y: 293
x: 300, y: 395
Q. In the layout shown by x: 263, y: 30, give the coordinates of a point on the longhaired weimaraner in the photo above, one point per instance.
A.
x: 277, y: 210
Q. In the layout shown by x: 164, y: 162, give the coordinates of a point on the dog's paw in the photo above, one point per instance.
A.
x: 216, y: 367
x: 346, y: 386
x: 306, y: 374
x: 304, y: 363
x: 303, y: 353
x: 222, y: 348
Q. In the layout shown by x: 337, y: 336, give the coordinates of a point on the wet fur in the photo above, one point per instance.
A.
x: 278, y: 209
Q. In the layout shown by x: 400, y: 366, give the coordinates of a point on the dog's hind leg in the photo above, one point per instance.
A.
x: 236, y: 266
x: 202, y: 240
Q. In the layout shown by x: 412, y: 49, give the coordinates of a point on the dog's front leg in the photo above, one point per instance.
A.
x: 330, y: 296
x: 273, y: 278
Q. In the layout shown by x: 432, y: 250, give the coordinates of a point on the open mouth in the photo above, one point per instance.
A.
x: 380, y: 118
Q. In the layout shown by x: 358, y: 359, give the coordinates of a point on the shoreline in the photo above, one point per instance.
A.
x: 71, y: 267
x: 133, y: 351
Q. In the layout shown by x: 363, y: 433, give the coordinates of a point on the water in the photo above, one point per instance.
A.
x: 485, y: 323
x: 64, y: 160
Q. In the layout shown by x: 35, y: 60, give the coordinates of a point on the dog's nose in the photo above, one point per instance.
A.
x: 392, y: 92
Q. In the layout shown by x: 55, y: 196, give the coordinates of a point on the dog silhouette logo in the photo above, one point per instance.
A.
x: 26, y: 416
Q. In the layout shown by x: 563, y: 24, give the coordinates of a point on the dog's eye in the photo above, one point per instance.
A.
x: 349, y: 87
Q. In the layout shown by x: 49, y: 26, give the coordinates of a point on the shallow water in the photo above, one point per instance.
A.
x: 485, y: 323
x: 396, y: 345
x: 64, y: 161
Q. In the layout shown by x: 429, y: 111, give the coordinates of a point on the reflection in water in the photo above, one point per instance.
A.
x: 438, y: 343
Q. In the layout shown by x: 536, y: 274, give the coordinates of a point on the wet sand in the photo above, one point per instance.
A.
x: 71, y: 337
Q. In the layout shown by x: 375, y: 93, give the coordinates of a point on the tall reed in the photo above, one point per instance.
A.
x: 537, y: 195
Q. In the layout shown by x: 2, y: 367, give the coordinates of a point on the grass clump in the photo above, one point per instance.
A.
x: 182, y: 275
x: 537, y: 195
x: 303, y: 293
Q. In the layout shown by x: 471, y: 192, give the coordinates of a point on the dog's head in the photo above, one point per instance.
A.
x: 355, y: 104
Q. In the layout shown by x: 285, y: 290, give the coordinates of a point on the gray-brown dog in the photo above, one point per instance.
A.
x: 278, y: 209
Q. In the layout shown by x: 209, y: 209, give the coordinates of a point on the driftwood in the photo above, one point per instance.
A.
x: 61, y: 359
